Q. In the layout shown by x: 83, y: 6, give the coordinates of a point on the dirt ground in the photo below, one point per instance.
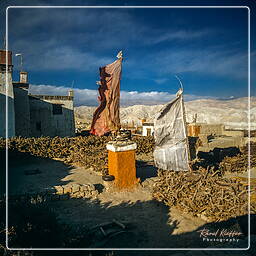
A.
x: 149, y: 224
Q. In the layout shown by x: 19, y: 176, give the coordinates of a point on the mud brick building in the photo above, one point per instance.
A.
x: 52, y: 115
x: 32, y: 115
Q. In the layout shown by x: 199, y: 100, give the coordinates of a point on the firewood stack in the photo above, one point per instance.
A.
x: 87, y: 151
x: 82, y: 151
x: 145, y: 144
x: 203, y: 193
x: 239, y: 163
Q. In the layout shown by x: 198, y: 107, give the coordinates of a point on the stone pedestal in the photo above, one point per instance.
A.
x: 121, y: 164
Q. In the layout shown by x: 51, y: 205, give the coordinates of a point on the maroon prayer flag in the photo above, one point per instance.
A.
x: 106, y: 116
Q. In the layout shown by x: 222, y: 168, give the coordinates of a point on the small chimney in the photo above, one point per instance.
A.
x: 71, y: 93
x: 3, y: 60
x: 23, y: 77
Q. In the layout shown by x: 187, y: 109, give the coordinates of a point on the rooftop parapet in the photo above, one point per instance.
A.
x: 51, y: 97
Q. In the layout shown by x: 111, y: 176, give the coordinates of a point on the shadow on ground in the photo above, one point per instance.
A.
x: 145, y: 170
x: 146, y: 225
x: 215, y: 156
x: 30, y: 174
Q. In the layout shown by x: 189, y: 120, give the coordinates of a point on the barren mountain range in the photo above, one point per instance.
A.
x: 232, y: 113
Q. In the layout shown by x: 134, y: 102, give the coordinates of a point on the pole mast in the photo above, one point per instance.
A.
x: 184, y: 117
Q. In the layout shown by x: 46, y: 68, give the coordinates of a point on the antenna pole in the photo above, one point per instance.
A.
x: 181, y: 85
x: 4, y: 43
x: 21, y: 60
x: 21, y: 63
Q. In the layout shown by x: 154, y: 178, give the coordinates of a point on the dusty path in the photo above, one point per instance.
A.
x: 149, y: 224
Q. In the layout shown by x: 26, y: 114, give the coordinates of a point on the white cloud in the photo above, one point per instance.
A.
x: 86, y: 97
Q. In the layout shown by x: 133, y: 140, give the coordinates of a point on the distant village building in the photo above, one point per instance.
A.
x: 194, y: 129
x: 147, y: 129
x: 33, y: 115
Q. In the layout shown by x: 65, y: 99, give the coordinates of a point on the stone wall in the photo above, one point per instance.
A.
x: 63, y: 192
x: 233, y: 133
x: 211, y: 129
x: 222, y: 142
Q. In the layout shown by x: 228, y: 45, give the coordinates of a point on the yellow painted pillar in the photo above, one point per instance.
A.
x: 121, y: 164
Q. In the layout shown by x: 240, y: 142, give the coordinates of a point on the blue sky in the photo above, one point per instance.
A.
x: 206, y: 48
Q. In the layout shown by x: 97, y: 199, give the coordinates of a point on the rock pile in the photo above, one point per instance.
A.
x: 77, y: 190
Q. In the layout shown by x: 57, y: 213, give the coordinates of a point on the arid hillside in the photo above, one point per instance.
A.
x: 232, y: 113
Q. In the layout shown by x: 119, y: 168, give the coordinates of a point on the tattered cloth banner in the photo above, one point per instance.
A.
x: 106, y: 116
x: 171, y: 151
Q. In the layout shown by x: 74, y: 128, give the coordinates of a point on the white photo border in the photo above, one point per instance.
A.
x: 249, y: 127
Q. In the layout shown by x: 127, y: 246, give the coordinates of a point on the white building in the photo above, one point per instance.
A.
x: 147, y: 129
x: 6, y: 95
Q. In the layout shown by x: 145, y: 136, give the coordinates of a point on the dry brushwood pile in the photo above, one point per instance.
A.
x: 204, y: 193
x: 89, y: 151
x: 82, y: 151
x: 239, y: 163
x: 145, y: 144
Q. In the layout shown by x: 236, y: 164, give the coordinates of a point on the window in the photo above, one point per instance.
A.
x: 56, y: 109
x: 38, y: 126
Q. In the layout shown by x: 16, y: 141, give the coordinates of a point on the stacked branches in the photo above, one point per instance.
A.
x: 87, y: 151
x: 239, y: 163
x: 145, y: 144
x: 81, y: 151
x: 204, y: 193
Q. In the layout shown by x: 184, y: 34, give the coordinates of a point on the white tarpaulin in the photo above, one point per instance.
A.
x: 171, y: 151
